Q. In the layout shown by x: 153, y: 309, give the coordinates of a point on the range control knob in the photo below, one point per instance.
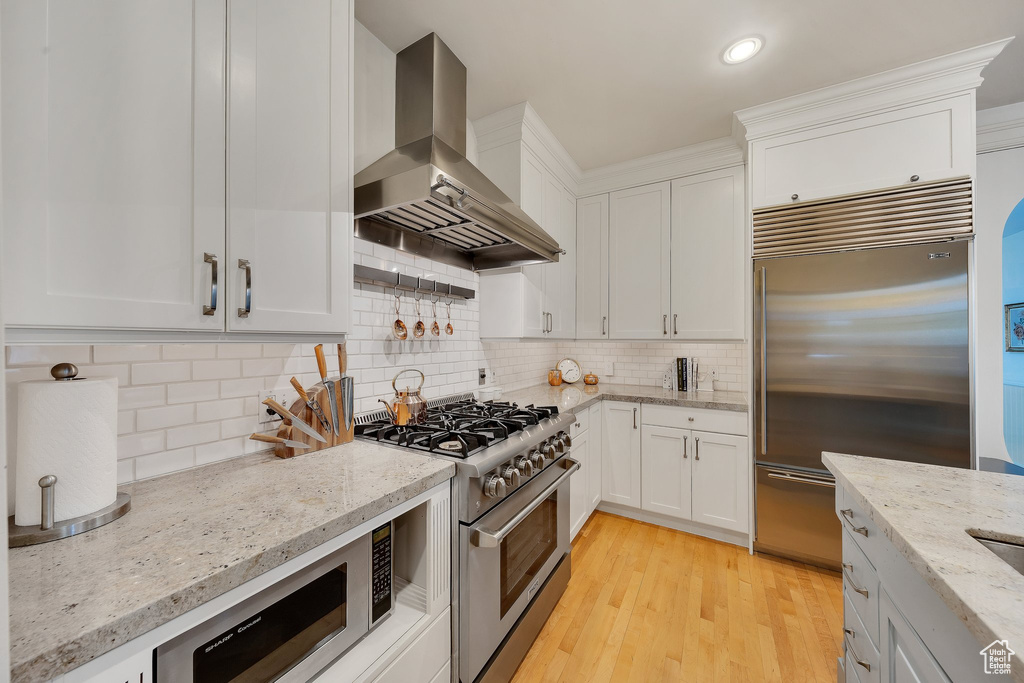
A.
x: 537, y: 458
x: 511, y: 475
x: 565, y: 439
x: 548, y: 449
x: 494, y: 486
x: 558, y: 444
x: 524, y: 465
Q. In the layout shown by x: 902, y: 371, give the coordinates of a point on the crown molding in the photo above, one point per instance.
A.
x: 1001, y: 128
x: 675, y: 163
x: 898, y: 87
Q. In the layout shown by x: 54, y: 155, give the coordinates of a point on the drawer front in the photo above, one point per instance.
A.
x: 720, y: 421
x: 581, y: 424
x: 860, y: 583
x: 425, y: 656
x: 858, y: 645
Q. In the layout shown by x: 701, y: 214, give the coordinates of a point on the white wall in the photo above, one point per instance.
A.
x: 999, y: 186
x: 5, y: 645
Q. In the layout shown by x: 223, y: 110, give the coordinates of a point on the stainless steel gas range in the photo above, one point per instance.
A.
x: 511, y: 520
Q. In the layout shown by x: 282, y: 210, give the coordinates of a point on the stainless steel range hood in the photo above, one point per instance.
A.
x: 425, y: 196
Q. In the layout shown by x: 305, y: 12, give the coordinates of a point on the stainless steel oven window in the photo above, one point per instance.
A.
x: 525, y: 550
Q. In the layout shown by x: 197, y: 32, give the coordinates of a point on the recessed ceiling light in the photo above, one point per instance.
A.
x: 742, y: 50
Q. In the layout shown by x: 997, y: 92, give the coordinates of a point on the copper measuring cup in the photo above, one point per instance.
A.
x: 449, y: 330
x: 435, y: 329
x: 419, y: 328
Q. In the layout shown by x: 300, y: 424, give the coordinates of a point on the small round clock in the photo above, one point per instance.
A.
x: 570, y: 370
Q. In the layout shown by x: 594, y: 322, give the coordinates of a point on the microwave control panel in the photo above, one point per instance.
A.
x: 381, y: 588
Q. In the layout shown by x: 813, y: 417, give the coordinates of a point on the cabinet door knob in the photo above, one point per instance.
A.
x: 794, y: 196
x: 914, y: 178
x: 211, y: 309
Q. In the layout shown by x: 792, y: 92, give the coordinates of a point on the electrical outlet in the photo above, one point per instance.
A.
x: 264, y: 414
x: 609, y: 368
x: 483, y: 376
x: 666, y: 381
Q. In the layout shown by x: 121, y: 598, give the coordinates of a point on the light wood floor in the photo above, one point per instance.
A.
x: 647, y: 603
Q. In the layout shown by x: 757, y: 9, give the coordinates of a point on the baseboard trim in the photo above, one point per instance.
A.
x: 695, y: 528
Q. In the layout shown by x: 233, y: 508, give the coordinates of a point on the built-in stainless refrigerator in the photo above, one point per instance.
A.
x: 863, y: 352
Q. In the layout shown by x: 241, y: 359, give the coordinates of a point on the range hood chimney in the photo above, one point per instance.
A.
x: 425, y: 196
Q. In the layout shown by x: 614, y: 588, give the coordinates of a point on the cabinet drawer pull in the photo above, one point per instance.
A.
x: 675, y: 323
x: 664, y: 324
x: 847, y: 568
x: 244, y: 264
x: 848, y: 513
x: 684, y: 448
x: 856, y: 658
x: 211, y: 309
x: 850, y: 632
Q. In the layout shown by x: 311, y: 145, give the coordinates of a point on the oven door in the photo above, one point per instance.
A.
x: 507, y: 556
x: 288, y: 632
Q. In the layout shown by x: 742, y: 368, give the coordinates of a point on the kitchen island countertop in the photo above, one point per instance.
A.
x: 927, y: 512
x: 190, y: 537
x: 579, y: 396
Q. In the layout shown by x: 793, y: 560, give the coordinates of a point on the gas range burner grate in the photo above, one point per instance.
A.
x: 460, y: 428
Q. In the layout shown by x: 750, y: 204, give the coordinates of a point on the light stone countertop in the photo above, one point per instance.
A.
x: 189, y: 537
x: 579, y: 396
x: 926, y: 511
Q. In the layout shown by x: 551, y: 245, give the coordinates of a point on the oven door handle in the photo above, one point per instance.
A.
x: 486, y: 538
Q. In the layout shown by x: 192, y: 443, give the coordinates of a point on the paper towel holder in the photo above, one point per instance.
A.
x: 18, y: 536
x: 48, y: 530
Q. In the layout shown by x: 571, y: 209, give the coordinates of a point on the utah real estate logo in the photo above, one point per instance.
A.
x: 997, y: 657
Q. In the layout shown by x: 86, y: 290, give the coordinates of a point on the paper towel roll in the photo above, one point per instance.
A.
x: 68, y: 429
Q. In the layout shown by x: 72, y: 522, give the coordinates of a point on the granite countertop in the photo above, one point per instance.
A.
x: 190, y: 537
x: 579, y: 396
x: 926, y: 512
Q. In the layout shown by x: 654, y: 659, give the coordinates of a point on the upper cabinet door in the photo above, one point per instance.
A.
x: 565, y: 311
x: 289, y: 165
x: 592, y: 267
x: 639, y: 262
x: 113, y: 143
x: 708, y: 256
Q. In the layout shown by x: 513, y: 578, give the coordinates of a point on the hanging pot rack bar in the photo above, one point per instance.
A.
x: 391, y: 280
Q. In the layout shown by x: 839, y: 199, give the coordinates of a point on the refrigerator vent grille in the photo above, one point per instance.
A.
x: 908, y: 214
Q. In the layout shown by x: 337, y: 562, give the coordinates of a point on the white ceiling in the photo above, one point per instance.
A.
x: 619, y: 79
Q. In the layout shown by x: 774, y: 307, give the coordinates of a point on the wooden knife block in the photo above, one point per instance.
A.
x: 318, y: 392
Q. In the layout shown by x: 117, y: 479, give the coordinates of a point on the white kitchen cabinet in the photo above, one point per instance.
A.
x: 596, y: 450
x: 542, y: 300
x: 931, y: 141
x: 592, y: 267
x: 709, y: 256
x: 620, y: 453
x: 720, y: 480
x: 665, y: 463
x: 904, y: 658
x: 639, y: 262
x: 289, y: 212
x: 113, y: 140
x: 579, y: 484
x: 116, y: 187
x: 135, y: 669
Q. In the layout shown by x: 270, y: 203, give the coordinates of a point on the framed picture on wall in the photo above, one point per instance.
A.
x: 1014, y: 327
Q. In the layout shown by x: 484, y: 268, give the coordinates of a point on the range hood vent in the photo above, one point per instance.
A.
x: 425, y: 196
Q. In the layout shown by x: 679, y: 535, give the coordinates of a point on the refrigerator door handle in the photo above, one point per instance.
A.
x: 803, y: 479
x: 764, y: 361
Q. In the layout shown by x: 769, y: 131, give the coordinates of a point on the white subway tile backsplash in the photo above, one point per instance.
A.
x: 47, y: 355
x: 191, y: 392
x: 147, y: 466
x: 132, y: 445
x: 160, y: 373
x: 189, y: 351
x: 216, y: 369
x: 193, y: 434
x: 121, y: 354
x: 147, y: 419
x: 139, y: 397
x: 223, y: 409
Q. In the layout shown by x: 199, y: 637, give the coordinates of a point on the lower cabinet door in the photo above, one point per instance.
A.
x: 620, y: 453
x: 721, y: 474
x: 665, y: 486
x: 596, y: 440
x: 579, y: 491
x: 905, y: 659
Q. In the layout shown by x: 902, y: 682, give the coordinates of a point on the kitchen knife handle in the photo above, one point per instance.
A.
x: 279, y: 409
x: 299, y: 390
x: 269, y: 438
x: 342, y: 358
x: 321, y: 362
